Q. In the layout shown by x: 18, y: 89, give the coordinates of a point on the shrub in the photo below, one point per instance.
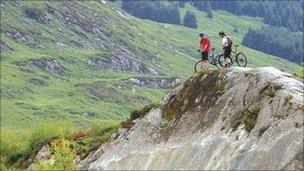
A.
x: 251, y: 116
x: 137, y: 113
x: 3, y: 165
x: 34, y: 9
x: 19, y: 148
x: 65, y: 157
x: 141, y: 112
x: 300, y: 73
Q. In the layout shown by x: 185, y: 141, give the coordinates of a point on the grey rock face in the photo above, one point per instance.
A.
x: 236, y: 119
x: 120, y: 63
x: 4, y: 46
x: 48, y: 64
x: 151, y: 82
x: 43, y: 155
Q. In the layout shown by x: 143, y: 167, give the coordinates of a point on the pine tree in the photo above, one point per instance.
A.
x: 190, y: 20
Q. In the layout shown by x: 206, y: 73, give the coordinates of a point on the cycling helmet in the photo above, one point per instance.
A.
x: 201, y: 34
x: 221, y: 33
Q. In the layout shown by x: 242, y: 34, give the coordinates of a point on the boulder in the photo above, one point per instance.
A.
x: 228, y: 119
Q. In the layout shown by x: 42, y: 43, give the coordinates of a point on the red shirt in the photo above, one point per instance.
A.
x: 205, y: 42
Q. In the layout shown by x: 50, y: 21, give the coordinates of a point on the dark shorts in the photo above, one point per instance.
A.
x: 227, y: 52
x: 204, y: 56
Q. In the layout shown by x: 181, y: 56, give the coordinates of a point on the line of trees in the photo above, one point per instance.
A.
x: 287, y: 14
x: 277, y: 41
x: 160, y: 11
x: 203, y: 6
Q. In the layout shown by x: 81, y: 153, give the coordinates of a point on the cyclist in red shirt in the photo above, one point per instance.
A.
x: 204, y: 49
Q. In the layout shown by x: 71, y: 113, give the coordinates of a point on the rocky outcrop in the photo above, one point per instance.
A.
x: 235, y: 119
x: 43, y: 155
x: 123, y: 63
x: 48, y: 64
x: 4, y: 46
x: 155, y: 82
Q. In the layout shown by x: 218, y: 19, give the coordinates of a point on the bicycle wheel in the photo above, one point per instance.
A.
x: 197, y: 66
x: 221, y: 60
x: 216, y: 63
x: 241, y: 60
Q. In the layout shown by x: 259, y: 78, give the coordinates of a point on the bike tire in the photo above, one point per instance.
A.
x: 197, y: 66
x: 240, y: 57
x: 221, y: 60
x: 216, y: 62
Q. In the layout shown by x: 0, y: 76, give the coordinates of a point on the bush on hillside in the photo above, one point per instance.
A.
x: 65, y: 157
x: 190, y: 20
x: 137, y: 113
x: 141, y: 112
x: 18, y: 147
x: 34, y: 9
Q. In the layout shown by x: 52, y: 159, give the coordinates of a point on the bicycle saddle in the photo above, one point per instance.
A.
x: 212, y: 48
x: 236, y: 45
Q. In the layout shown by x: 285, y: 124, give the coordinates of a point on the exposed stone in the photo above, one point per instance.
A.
x: 48, y: 64
x: 4, y: 46
x: 192, y: 128
x: 88, y: 114
x: 121, y: 63
x: 44, y: 155
x: 155, y: 82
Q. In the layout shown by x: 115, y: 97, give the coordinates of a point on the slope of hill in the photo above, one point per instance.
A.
x: 249, y: 119
x: 72, y: 60
x: 89, y: 62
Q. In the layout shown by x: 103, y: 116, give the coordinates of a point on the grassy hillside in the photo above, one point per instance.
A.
x: 73, y: 61
x: 73, y: 34
x: 72, y: 37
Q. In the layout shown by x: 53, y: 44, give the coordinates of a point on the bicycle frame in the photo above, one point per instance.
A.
x: 212, y: 57
x: 234, y: 53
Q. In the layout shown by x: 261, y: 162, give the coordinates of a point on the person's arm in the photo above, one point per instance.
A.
x: 200, y: 46
x: 204, y: 48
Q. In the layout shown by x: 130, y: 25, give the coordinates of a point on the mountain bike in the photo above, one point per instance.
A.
x: 239, y: 58
x: 212, y: 59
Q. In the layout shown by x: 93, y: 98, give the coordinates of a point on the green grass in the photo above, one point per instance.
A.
x: 170, y: 49
x: 17, y: 147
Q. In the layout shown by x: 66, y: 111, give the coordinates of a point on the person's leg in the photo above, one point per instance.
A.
x: 202, y: 62
x: 226, y: 57
x: 204, y: 58
x: 207, y: 61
